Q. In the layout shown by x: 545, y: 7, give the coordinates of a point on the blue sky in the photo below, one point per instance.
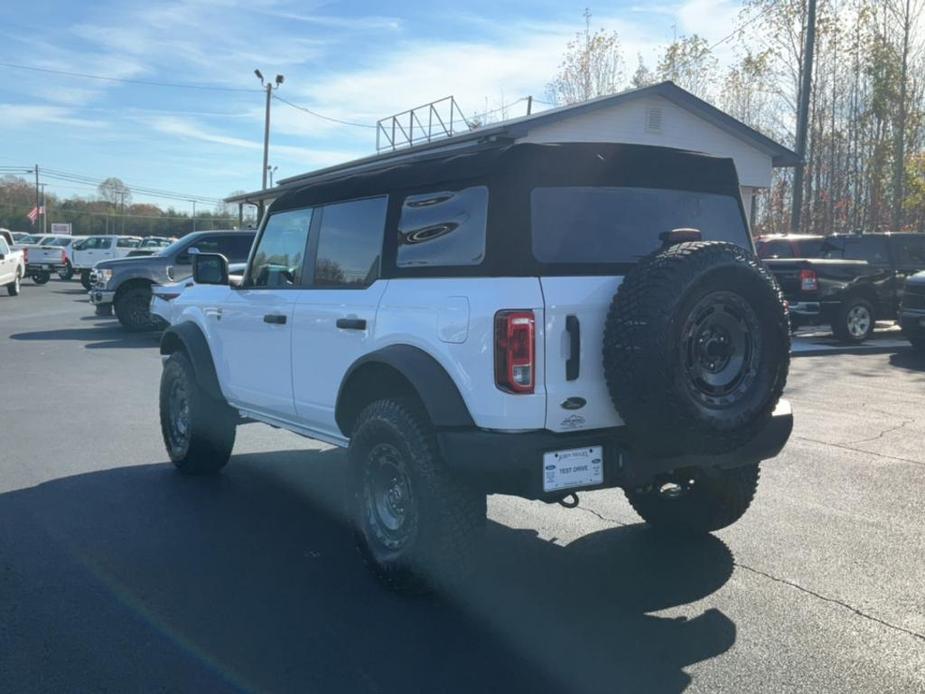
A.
x: 354, y: 60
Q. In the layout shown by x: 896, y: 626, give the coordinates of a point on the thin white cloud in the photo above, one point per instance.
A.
x: 28, y: 115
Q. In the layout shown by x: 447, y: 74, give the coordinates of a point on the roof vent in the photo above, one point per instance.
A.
x: 653, y: 120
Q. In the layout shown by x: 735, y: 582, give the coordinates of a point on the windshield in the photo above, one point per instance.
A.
x: 621, y: 225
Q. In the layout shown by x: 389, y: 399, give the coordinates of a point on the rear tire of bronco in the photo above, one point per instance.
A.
x: 198, y: 430
x: 13, y: 287
x: 854, y: 321
x: 696, y: 348
x: 133, y: 309
x: 417, y: 526
x: 696, y: 503
x: 41, y: 277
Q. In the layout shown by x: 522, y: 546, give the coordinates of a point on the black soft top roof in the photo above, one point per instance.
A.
x: 511, y: 167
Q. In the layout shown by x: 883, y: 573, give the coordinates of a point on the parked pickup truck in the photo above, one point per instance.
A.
x: 856, y: 280
x: 48, y: 255
x: 12, y: 266
x: 125, y: 284
x: 912, y: 311
x: 87, y: 252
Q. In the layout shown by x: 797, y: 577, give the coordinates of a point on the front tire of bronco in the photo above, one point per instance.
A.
x: 698, y: 502
x: 198, y: 430
x: 417, y: 526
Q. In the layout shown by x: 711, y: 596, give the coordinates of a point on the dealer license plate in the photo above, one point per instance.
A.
x: 576, y: 467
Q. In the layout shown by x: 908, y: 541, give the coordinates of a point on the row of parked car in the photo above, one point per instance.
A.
x: 67, y: 255
x: 851, y: 281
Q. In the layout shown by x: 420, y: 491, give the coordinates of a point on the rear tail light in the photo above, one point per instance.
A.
x: 63, y: 258
x: 808, y: 281
x: 515, y: 351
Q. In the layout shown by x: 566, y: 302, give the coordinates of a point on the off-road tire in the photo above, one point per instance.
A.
x: 654, y: 352
x: 85, y: 280
x: 132, y: 308
x: 41, y: 277
x: 13, y: 287
x: 841, y: 326
x: 917, y: 342
x: 446, y: 517
x: 204, y: 445
x: 67, y: 273
x: 717, y: 499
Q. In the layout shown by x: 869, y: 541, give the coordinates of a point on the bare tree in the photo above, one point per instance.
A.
x: 114, y: 191
x: 689, y: 63
x: 592, y: 66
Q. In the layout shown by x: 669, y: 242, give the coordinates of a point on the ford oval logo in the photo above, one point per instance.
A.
x: 574, y: 403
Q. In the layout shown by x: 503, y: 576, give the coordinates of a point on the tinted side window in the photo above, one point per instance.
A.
x: 910, y: 250
x: 281, y: 250
x: 870, y: 248
x: 622, y: 225
x: 350, y: 243
x: 127, y: 243
x: 443, y: 229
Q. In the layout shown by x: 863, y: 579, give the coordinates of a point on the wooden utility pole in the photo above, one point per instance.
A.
x: 806, y: 81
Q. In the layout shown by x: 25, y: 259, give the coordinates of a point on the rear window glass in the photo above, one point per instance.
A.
x: 444, y: 228
x: 774, y: 249
x: 621, y: 225
x: 58, y: 242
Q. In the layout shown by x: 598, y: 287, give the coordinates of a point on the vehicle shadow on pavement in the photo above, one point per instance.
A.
x: 910, y: 360
x: 73, y: 292
x: 140, y: 579
x: 103, y: 336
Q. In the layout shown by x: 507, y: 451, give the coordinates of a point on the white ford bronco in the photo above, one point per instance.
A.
x: 522, y: 319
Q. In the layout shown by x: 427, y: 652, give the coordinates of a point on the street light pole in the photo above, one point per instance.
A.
x: 269, y: 86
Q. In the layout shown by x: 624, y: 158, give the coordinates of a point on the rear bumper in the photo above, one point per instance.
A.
x: 511, y: 463
x: 43, y: 267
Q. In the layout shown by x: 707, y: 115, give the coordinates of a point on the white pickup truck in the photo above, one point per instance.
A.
x: 87, y: 252
x: 12, y: 266
x: 44, y: 255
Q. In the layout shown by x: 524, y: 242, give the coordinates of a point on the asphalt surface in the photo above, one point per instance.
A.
x: 117, y: 574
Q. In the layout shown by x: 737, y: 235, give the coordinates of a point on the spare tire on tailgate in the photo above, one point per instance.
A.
x: 696, y: 348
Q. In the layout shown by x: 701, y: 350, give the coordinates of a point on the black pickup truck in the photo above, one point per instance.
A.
x: 855, y: 280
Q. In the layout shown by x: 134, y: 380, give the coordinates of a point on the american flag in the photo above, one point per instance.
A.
x: 34, y: 214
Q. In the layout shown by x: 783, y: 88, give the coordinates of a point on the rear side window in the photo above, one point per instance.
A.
x: 870, y: 248
x: 127, y: 243
x: 910, y: 250
x: 235, y: 248
x: 443, y: 229
x: 4, y: 249
x: 350, y: 243
x: 621, y: 225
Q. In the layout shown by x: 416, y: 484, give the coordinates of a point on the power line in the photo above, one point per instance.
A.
x: 321, y: 115
x: 125, y: 80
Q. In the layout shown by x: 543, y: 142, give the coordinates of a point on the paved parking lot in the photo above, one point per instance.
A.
x: 116, y: 574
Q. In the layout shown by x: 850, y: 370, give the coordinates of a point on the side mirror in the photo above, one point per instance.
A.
x: 210, y: 268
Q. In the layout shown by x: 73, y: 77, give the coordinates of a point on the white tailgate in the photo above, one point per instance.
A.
x: 587, y: 299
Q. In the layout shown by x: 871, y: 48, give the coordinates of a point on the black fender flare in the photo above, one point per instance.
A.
x: 189, y: 338
x: 434, y: 386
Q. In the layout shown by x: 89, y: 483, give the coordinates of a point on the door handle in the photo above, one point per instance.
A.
x: 351, y: 323
x: 573, y: 363
x: 275, y: 319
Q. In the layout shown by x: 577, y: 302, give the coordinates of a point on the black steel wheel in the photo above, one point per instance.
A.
x: 417, y: 526
x: 41, y: 277
x: 85, y: 280
x: 696, y: 348
x: 67, y: 272
x: 198, y: 431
